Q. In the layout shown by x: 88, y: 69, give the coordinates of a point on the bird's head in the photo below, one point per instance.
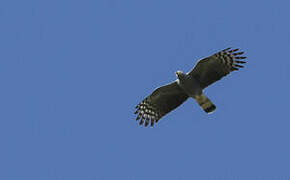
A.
x: 179, y: 74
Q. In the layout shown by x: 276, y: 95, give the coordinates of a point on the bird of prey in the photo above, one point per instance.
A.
x: 207, y: 71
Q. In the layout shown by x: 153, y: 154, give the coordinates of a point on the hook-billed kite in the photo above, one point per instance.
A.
x: 207, y: 71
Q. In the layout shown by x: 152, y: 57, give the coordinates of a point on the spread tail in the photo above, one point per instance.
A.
x: 205, y: 103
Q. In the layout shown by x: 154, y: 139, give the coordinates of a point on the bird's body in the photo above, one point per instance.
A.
x: 207, y: 71
x: 189, y: 84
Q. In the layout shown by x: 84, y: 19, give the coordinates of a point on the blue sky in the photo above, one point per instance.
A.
x: 71, y: 73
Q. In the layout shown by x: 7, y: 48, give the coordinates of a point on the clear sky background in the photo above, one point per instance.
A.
x: 71, y: 73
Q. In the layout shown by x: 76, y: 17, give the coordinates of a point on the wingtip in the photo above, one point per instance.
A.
x: 241, y: 62
x: 239, y: 66
x: 227, y: 49
x: 141, y: 121
x: 242, y: 57
x: 152, y: 122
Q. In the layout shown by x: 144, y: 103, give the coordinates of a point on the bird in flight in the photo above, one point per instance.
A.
x: 207, y: 71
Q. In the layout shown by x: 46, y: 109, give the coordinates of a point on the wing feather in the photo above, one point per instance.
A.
x: 163, y: 100
x: 215, y: 67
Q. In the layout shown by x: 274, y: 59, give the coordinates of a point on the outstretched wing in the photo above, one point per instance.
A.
x: 163, y: 100
x: 213, y: 68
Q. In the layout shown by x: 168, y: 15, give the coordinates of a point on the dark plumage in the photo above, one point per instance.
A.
x: 207, y: 71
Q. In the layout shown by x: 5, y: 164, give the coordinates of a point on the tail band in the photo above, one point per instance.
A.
x: 205, y: 103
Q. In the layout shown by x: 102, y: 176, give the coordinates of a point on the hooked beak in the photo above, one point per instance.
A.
x: 178, y: 73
